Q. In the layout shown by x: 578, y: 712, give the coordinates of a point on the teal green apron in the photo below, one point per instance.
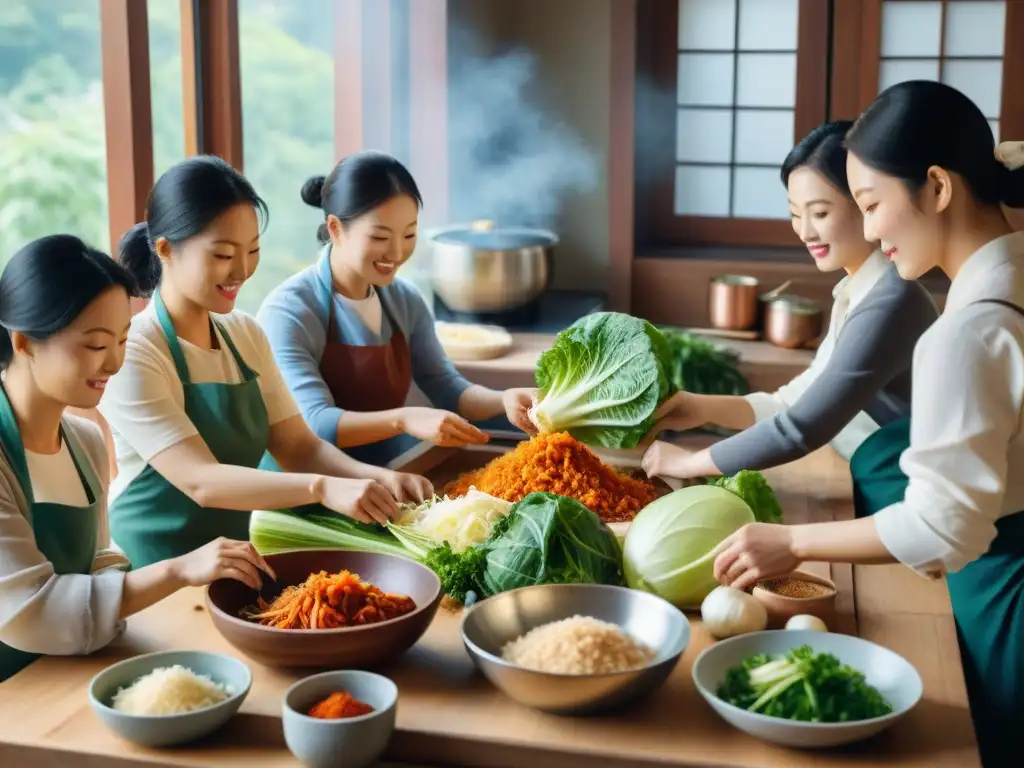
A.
x: 987, y: 597
x: 151, y: 520
x: 65, y: 535
x: 878, y: 481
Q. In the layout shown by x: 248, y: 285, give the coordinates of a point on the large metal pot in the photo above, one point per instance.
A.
x: 792, y: 322
x: 483, y: 268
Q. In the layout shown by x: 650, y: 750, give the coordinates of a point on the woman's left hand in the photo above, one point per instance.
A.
x: 406, y: 487
x: 517, y: 404
x: 756, y: 551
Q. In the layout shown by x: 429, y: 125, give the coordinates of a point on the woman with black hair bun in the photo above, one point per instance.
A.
x: 200, y: 399
x: 924, y: 170
x: 64, y: 316
x: 859, y: 379
x: 351, y: 337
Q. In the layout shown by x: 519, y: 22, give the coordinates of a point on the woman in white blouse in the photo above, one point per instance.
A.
x: 63, y: 321
x: 856, y: 393
x: 924, y: 171
x: 200, y: 398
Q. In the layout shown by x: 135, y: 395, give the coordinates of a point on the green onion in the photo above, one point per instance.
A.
x: 279, y: 531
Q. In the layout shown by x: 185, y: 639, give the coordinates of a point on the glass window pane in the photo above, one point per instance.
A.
x: 757, y: 194
x: 911, y: 29
x: 707, y: 25
x: 165, y: 84
x: 769, y: 25
x: 763, y: 137
x: 994, y: 125
x: 766, y: 80
x: 982, y: 81
x: 704, y: 135
x: 53, y: 156
x: 892, y: 72
x: 705, y: 79
x: 287, y: 74
x: 702, y: 190
x: 975, y: 28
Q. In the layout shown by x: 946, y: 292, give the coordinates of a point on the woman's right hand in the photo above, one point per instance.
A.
x: 222, y: 559
x: 442, y: 428
x: 364, y: 500
x: 679, y: 413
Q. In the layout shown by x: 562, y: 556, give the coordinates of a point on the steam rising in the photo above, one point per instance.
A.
x: 510, y: 161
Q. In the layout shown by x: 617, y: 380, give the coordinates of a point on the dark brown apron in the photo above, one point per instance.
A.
x: 367, y: 378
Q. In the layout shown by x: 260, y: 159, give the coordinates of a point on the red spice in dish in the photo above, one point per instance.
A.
x: 339, y: 705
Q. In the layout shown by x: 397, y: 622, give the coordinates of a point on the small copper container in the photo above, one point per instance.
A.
x: 792, y: 322
x: 733, y: 302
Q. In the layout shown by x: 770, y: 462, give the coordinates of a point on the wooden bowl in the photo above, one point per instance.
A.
x: 361, y: 646
x: 781, y: 608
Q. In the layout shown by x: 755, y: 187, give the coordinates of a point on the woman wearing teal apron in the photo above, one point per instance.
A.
x: 200, y: 399
x: 924, y: 169
x: 63, y: 319
x: 351, y: 338
x: 855, y: 395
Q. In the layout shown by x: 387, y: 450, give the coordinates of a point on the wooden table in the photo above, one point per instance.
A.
x: 450, y: 715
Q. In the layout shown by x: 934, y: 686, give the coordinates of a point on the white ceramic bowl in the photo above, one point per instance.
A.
x: 893, y: 676
x: 352, y: 742
x: 169, y: 730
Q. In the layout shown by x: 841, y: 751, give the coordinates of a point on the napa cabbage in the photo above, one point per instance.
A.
x: 602, y: 380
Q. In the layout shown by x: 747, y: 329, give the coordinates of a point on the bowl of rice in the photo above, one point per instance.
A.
x: 169, y: 698
x: 575, y: 648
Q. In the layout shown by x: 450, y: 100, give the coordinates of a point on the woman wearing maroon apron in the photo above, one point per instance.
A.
x: 351, y: 339
x: 924, y: 170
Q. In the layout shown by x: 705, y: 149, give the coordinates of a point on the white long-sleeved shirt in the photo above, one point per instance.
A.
x: 40, y: 611
x: 966, y: 447
x: 848, y: 293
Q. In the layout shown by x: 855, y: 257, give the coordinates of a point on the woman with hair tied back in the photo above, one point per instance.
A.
x: 923, y: 169
x: 64, y: 314
x: 859, y: 379
x: 200, y: 398
x: 351, y: 338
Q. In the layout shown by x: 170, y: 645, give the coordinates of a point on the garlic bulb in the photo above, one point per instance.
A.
x: 806, y: 621
x: 727, y: 612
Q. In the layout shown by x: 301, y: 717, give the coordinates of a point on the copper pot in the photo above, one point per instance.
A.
x: 732, y: 302
x: 792, y: 322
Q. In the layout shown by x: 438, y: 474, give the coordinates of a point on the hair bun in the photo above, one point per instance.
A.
x: 312, y: 191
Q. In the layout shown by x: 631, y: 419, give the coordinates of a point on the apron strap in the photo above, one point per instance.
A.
x: 248, y: 374
x: 90, y: 481
x: 13, y: 448
x: 1003, y: 303
x: 172, y: 339
x: 327, y: 298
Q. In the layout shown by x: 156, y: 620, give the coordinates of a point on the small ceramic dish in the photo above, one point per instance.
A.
x: 352, y: 742
x: 820, y: 599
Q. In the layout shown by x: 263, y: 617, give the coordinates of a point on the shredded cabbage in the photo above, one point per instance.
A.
x: 462, y: 521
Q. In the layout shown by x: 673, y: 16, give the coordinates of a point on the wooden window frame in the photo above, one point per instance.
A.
x: 657, y: 63
x: 124, y: 44
x: 857, y: 56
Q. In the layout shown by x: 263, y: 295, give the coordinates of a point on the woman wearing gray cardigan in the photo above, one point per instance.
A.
x: 859, y: 379
x: 64, y: 318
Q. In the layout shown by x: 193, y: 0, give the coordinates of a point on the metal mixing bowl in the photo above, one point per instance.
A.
x: 498, y: 620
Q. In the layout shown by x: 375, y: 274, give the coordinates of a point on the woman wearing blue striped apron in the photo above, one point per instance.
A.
x: 63, y: 591
x: 855, y: 395
x: 200, y: 398
x: 924, y: 170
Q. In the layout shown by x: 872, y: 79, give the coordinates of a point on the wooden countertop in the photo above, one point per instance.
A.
x: 765, y: 365
x: 450, y: 715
